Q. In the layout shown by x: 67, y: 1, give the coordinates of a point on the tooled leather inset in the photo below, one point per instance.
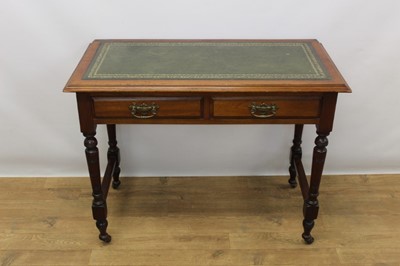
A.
x: 206, y: 60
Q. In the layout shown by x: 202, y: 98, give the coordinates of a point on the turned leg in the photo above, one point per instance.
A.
x: 113, y: 152
x: 295, y: 152
x: 310, y: 208
x: 99, y: 205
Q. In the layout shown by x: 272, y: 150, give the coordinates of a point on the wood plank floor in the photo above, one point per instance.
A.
x: 200, y: 221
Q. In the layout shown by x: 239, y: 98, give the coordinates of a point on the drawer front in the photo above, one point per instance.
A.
x: 266, y: 107
x: 148, y: 107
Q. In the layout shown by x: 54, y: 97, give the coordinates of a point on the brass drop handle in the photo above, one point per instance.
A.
x: 263, y: 110
x: 143, y: 110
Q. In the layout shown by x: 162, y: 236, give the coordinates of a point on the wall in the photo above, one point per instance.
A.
x: 43, y: 40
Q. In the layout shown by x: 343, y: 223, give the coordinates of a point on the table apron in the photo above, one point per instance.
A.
x: 204, y: 109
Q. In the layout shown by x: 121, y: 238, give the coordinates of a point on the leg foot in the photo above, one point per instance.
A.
x: 105, y: 238
x: 292, y: 180
x: 308, y: 226
x: 292, y: 183
x: 102, y: 226
x: 308, y: 239
x: 115, y: 184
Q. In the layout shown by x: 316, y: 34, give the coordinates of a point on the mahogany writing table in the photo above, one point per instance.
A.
x: 206, y: 82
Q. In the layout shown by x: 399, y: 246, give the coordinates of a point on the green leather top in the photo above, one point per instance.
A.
x: 206, y: 60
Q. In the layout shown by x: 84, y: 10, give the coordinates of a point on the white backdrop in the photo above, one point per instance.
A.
x: 43, y: 40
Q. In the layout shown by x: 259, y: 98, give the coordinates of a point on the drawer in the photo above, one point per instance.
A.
x: 148, y: 107
x: 266, y: 107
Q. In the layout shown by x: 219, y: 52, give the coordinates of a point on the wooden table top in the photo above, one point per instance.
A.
x: 206, y: 66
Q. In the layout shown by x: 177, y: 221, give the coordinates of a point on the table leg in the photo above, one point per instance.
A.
x: 311, y: 206
x: 295, y: 152
x: 99, y: 204
x: 113, y: 152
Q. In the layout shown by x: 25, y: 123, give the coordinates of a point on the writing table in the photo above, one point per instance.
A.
x: 206, y: 82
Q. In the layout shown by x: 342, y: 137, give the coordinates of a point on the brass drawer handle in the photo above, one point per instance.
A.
x: 263, y: 110
x: 143, y: 110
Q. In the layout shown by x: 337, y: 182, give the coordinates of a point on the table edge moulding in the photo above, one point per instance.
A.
x: 206, y: 82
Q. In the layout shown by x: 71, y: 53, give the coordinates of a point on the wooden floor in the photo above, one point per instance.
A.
x: 200, y: 221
